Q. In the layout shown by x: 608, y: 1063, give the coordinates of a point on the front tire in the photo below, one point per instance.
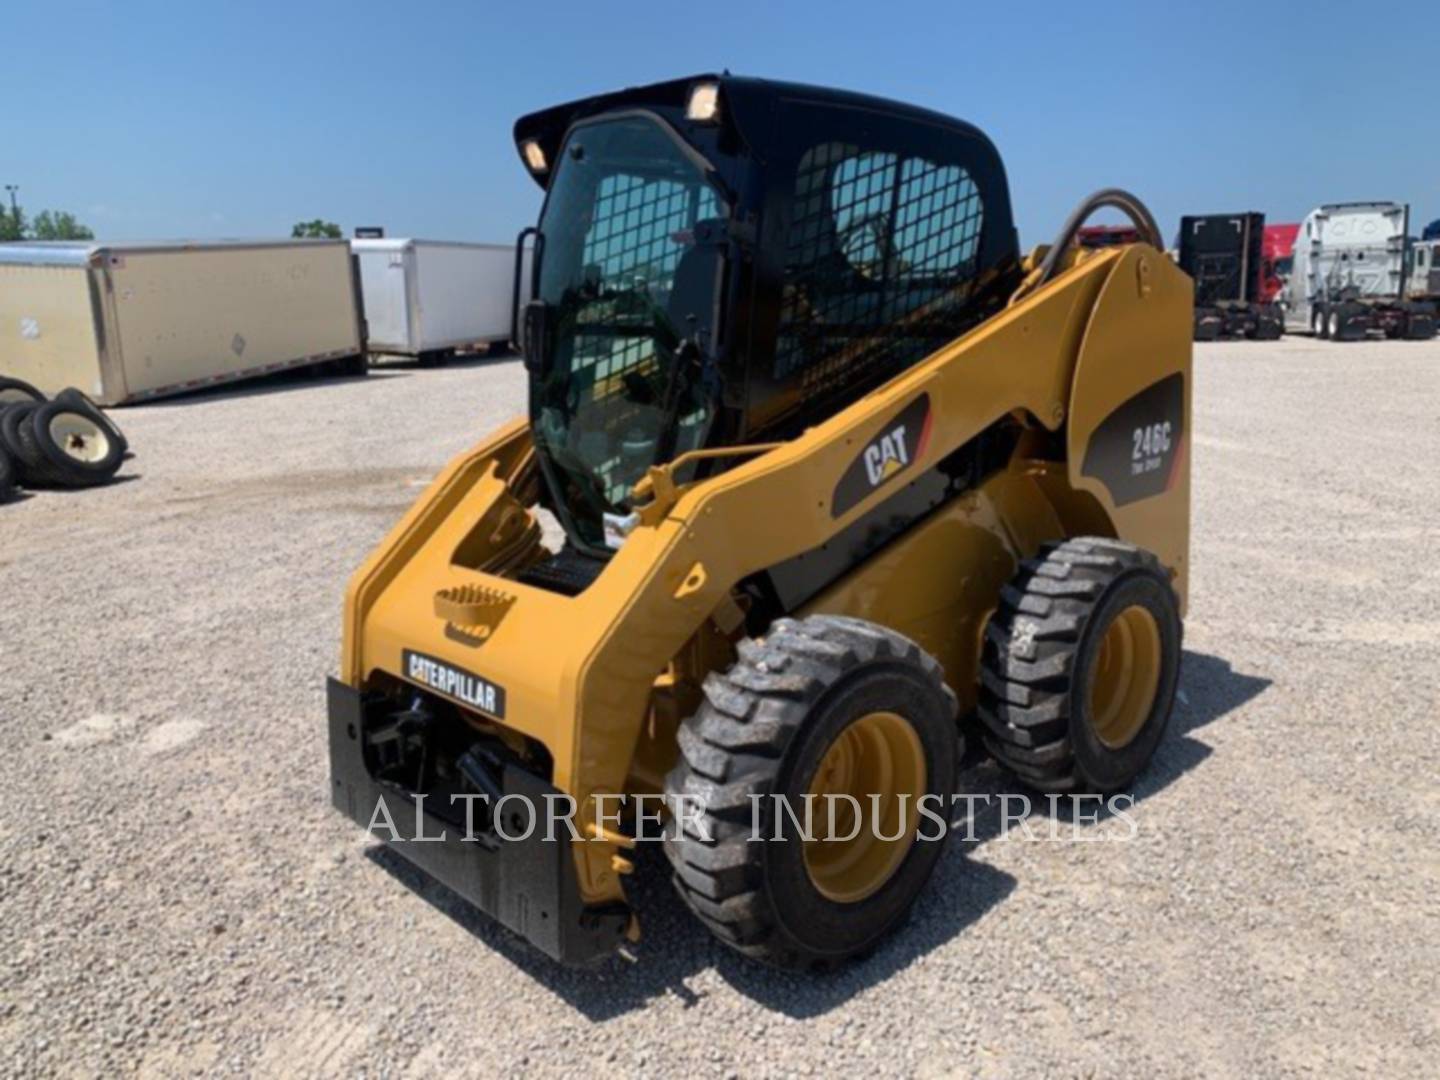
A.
x: 824, y: 704
x: 1081, y: 663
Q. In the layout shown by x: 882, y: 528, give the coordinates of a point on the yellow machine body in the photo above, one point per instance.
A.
x: 601, y: 679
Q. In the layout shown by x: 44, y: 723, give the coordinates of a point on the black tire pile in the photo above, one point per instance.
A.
x: 66, y: 442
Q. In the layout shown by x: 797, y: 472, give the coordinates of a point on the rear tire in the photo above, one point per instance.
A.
x: 1080, y: 666
x: 31, y: 468
x: 1268, y: 328
x: 1318, y: 324
x: 7, y: 476
x: 17, y: 391
x: 10, y: 417
x: 793, y: 713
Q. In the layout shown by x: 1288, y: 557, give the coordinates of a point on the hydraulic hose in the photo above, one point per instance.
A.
x: 1120, y: 200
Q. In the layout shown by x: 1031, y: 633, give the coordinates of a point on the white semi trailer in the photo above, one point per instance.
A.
x: 1349, y: 275
x: 430, y: 298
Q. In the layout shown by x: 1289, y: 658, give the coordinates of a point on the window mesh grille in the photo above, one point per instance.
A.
x: 880, y: 265
x: 639, y: 230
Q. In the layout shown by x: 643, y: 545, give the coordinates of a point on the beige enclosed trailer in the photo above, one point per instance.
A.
x: 137, y: 321
x: 428, y: 298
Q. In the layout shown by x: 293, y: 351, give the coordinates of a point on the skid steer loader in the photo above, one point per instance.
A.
x: 843, y: 478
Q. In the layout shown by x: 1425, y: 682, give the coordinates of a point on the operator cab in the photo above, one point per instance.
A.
x: 722, y: 261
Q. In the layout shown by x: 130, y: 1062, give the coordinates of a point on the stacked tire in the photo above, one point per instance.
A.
x: 62, y: 443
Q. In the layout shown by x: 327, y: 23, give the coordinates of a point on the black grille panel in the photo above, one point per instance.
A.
x: 566, y: 572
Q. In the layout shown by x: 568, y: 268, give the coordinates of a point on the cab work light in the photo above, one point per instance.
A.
x: 534, y: 155
x: 704, y: 104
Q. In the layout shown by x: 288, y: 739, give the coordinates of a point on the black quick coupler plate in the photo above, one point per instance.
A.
x: 528, y: 884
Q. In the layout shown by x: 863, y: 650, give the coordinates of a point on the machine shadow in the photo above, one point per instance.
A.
x: 676, y: 948
x: 1209, y: 690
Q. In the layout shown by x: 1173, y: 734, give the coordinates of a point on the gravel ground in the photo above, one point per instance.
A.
x: 176, y: 895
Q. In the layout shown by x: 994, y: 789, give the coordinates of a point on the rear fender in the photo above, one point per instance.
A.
x: 1129, y: 432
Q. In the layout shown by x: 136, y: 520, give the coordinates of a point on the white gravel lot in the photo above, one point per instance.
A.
x: 177, y: 896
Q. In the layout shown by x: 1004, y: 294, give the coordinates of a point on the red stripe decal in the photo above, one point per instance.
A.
x: 1180, y: 450
x: 925, y: 431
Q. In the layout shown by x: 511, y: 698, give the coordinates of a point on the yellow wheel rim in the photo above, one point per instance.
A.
x: 1125, y: 678
x: 879, y: 754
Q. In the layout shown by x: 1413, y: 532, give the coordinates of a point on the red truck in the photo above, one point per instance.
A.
x: 1277, y: 255
x: 1100, y: 236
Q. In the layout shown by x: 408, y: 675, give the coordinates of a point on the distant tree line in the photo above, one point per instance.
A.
x: 318, y: 229
x: 48, y: 225
x: 63, y: 225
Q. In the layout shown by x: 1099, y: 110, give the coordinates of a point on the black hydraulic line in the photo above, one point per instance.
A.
x: 480, y: 768
x: 1115, y: 198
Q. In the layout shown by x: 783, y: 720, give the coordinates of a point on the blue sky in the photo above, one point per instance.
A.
x: 208, y: 119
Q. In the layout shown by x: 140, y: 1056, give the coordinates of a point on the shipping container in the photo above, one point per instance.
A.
x: 131, y: 322
x: 429, y: 298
